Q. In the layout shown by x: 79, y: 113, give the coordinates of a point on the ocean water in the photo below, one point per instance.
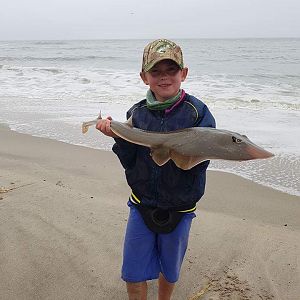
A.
x: 252, y: 86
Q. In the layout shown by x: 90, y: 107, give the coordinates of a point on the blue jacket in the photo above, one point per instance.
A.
x: 167, y: 186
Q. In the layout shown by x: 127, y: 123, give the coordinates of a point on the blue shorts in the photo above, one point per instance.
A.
x: 146, y: 254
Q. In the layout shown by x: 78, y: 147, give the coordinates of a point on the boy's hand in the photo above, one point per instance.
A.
x: 103, y: 125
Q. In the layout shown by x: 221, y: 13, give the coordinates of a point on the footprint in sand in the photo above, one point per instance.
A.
x: 59, y: 183
x: 228, y: 287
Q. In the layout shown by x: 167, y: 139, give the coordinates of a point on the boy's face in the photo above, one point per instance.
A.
x: 164, y: 79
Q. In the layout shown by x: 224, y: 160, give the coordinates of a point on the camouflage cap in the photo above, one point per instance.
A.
x: 159, y: 50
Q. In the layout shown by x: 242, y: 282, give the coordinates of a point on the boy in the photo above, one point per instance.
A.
x: 163, y: 199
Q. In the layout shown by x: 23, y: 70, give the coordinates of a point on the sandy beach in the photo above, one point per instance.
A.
x: 63, y: 214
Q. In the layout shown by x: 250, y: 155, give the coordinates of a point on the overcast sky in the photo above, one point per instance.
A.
x: 111, y: 19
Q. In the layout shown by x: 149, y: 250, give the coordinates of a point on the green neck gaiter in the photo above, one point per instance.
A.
x: 153, y: 104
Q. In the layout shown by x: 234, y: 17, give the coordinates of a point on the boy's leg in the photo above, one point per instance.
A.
x: 137, y: 290
x: 172, y: 248
x: 140, y: 257
x: 165, y: 288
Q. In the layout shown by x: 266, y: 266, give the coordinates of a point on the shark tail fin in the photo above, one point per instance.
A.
x: 85, y: 125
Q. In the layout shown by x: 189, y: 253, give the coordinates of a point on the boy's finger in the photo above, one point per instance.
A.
x: 108, y: 126
x: 103, y: 126
x: 99, y: 124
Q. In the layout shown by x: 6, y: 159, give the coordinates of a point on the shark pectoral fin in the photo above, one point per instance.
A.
x: 160, y: 155
x: 185, y: 162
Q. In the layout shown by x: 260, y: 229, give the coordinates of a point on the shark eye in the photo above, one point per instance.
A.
x: 236, y: 140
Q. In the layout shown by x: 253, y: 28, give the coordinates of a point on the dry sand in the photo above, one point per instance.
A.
x: 63, y: 214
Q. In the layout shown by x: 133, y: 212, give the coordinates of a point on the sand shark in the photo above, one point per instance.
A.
x: 190, y: 146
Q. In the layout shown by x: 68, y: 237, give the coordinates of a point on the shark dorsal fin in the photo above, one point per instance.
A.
x: 129, y: 122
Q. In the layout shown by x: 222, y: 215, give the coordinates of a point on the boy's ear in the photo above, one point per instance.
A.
x: 144, y: 77
x: 184, y: 73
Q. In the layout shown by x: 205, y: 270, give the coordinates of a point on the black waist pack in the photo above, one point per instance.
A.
x: 159, y: 220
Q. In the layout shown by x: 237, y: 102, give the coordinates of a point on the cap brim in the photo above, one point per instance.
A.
x: 153, y: 63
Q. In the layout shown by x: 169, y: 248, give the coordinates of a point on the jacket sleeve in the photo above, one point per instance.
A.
x: 206, y: 118
x: 125, y: 150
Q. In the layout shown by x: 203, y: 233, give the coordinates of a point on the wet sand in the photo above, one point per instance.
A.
x: 63, y: 214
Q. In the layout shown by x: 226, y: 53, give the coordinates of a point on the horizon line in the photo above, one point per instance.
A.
x: 142, y: 39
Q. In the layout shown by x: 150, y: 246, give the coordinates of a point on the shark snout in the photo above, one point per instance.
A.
x: 256, y: 152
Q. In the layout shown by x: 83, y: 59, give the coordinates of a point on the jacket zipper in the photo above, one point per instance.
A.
x: 156, y: 168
